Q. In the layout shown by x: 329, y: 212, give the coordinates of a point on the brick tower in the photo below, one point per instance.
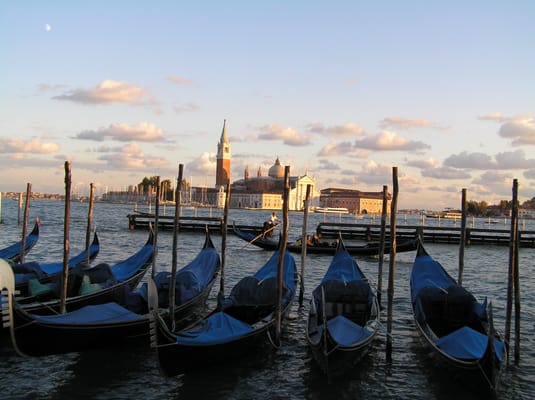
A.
x: 223, y: 159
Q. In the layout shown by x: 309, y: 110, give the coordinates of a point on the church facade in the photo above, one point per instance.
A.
x: 265, y: 192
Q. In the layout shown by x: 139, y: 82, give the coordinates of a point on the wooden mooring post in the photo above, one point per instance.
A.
x: 462, y: 240
x: 304, y: 243
x: 392, y: 265
x: 382, y: 245
x: 66, y: 244
x: 513, y: 282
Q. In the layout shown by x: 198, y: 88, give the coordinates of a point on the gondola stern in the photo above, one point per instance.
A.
x: 8, y: 292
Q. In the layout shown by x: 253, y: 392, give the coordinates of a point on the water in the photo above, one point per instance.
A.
x: 287, y: 373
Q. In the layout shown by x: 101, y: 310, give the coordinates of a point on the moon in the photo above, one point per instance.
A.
x: 48, y: 27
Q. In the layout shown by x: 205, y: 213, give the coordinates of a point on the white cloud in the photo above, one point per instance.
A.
x: 445, y: 173
x: 390, y: 141
x: 522, y: 131
x: 33, y: 145
x: 142, y: 131
x: 204, y: 165
x: 288, y: 136
x: 132, y: 157
x: 106, y: 92
x: 349, y: 129
x: 423, y: 164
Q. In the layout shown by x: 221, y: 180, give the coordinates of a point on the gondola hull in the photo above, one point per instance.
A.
x: 82, y: 258
x: 343, y: 318
x: 456, y: 330
x: 13, y: 253
x: 480, y: 376
x: 335, y: 360
x: 243, y: 325
x: 175, y: 359
x: 136, y: 267
x: 114, y: 323
x: 369, y: 249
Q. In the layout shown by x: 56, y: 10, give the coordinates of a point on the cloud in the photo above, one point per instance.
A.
x: 445, y: 173
x: 33, y: 145
x: 506, y: 160
x: 186, y: 107
x: 423, y: 164
x: 179, y: 80
x: 106, y: 92
x: 495, y: 116
x: 497, y: 182
x: 336, y: 149
x: 470, y: 160
x: 521, y: 131
x: 514, y: 160
x: 389, y: 141
x: 288, y: 136
x: 131, y: 157
x: 327, y: 165
x: 530, y: 174
x: 376, y: 174
x: 143, y: 131
x: 204, y: 165
x: 349, y: 129
x: 404, y: 123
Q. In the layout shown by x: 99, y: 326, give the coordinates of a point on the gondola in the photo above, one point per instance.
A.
x: 13, y: 253
x: 113, y: 323
x: 343, y: 318
x: 243, y: 324
x: 90, y: 285
x: 29, y: 272
x: 328, y: 248
x: 455, y: 326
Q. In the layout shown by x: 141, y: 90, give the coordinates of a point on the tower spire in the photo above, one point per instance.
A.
x: 223, y: 158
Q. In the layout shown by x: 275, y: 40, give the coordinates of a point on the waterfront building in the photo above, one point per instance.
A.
x: 355, y: 201
x: 266, y: 191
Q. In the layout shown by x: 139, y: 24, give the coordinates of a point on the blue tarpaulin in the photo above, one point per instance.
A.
x: 344, y: 331
x: 96, y: 314
x: 218, y: 328
x: 467, y: 344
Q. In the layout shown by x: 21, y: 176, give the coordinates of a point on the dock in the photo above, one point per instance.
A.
x: 429, y: 234
x: 363, y: 232
x: 185, y: 224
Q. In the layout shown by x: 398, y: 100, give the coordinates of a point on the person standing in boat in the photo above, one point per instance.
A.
x: 270, y: 224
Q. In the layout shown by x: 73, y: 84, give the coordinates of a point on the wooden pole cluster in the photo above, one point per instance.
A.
x: 66, y: 244
x: 304, y: 244
x: 282, y: 252
x: 89, y: 220
x: 382, y: 245
x: 156, y: 223
x: 25, y: 221
x: 392, y: 265
x: 513, y: 282
x: 221, y: 294
x: 174, y: 253
x: 462, y: 241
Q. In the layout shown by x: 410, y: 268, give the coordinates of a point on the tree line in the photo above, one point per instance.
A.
x: 483, y: 209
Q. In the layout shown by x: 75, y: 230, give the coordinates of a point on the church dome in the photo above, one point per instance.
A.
x: 277, y: 170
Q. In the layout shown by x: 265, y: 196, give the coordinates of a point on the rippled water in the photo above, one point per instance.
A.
x: 287, y: 373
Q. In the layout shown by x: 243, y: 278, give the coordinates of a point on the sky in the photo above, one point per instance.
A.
x: 343, y: 91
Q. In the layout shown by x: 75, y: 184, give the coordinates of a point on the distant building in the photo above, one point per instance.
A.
x: 266, y: 192
x: 355, y: 201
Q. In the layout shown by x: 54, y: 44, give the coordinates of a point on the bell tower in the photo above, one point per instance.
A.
x: 223, y: 159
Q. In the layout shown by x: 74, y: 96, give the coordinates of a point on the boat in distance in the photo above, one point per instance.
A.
x: 330, y: 210
x: 324, y: 247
